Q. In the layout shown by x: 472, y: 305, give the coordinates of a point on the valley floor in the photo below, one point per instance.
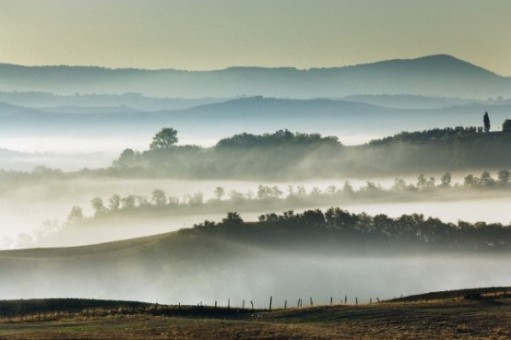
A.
x: 445, y: 318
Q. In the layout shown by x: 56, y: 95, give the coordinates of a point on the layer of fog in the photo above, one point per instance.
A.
x: 256, y: 275
x: 65, y: 152
x: 52, y: 201
x: 72, y: 153
x: 68, y: 141
x: 291, y: 276
x: 33, y: 215
x: 27, y: 162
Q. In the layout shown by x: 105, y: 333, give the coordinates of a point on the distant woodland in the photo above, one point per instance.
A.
x: 339, y: 229
x: 285, y: 154
x: 161, y: 203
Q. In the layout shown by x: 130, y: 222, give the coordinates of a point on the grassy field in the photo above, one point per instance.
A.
x: 476, y: 313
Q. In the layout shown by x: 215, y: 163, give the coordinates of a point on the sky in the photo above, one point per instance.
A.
x: 214, y: 34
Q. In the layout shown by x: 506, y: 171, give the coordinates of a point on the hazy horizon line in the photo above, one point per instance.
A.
x: 113, y: 68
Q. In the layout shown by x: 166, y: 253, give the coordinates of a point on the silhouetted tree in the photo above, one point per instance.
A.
x: 312, y: 218
x: 506, y: 126
x: 486, y: 179
x: 486, y: 122
x: 164, y: 139
x: 422, y: 182
x: 128, y: 157
x: 265, y: 192
x: 504, y: 176
x: 469, y: 180
x: 430, y: 183
x: 445, y: 180
x: 75, y: 215
x: 98, y: 206
x: 196, y: 199
x: 233, y: 218
x: 347, y: 188
x: 128, y: 202
x: 159, y: 198
x: 219, y: 192
x: 114, y: 202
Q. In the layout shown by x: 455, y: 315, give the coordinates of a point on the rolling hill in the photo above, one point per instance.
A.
x: 253, y: 114
x: 437, y: 75
x: 249, y: 262
x: 450, y: 315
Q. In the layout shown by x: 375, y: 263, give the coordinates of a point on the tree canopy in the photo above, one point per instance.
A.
x: 340, y: 227
x: 506, y: 126
x: 165, y: 139
x: 280, y: 137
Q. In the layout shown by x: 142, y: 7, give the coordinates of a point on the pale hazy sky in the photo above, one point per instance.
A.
x: 212, y: 34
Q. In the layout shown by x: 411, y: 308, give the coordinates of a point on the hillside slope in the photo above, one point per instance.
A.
x: 254, y: 261
x: 444, y: 318
x: 438, y: 75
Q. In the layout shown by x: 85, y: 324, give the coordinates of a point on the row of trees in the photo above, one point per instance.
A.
x: 292, y: 196
x: 436, y: 134
x: 342, y: 227
x: 166, y: 138
x: 299, y: 155
x: 444, y: 134
x: 287, y: 155
x: 486, y: 180
x: 506, y: 126
x: 279, y: 138
x: 245, y: 154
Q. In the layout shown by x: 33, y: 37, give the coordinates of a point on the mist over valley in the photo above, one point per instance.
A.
x: 236, y: 260
x: 356, y: 184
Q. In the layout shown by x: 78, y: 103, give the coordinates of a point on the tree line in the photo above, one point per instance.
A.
x: 339, y: 228
x: 300, y: 155
x: 441, y: 134
x: 267, y: 196
x: 293, y: 155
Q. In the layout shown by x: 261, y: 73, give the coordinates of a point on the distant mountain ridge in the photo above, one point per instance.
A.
x: 253, y: 114
x: 437, y: 75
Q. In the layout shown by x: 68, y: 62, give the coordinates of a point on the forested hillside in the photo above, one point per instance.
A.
x: 294, y: 155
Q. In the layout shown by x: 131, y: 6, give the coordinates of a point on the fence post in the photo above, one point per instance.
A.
x: 215, y: 304
x: 271, y: 298
x: 331, y: 300
x: 243, y: 304
x: 356, y: 301
x: 252, y: 303
x: 285, y: 304
x: 228, y: 303
x: 312, y: 304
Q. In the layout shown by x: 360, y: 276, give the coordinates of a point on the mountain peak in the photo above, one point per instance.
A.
x: 440, y: 57
x: 453, y: 63
x: 444, y: 59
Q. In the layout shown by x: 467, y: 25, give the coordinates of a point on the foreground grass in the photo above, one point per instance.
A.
x: 447, y: 317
